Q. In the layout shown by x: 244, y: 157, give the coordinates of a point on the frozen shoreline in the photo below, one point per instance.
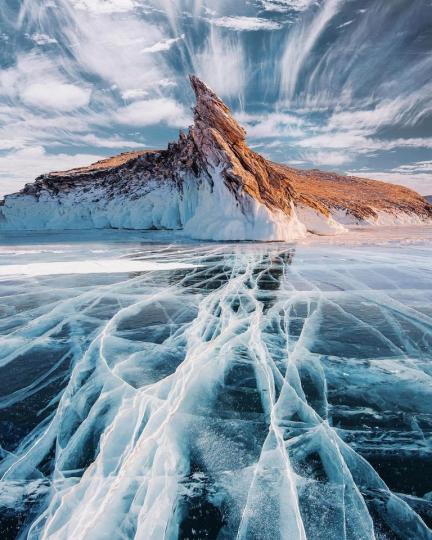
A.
x: 353, y: 236
x: 405, y: 234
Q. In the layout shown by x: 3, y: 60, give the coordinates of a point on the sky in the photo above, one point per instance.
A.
x: 341, y: 85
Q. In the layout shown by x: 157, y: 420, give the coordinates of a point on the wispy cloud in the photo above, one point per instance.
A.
x: 105, y: 6
x: 56, y: 95
x: 33, y: 161
x: 43, y: 39
x: 37, y: 81
x: 272, y: 125
x: 222, y: 64
x: 419, y: 166
x: 107, y: 47
x: 250, y: 24
x: 327, y: 158
x: 134, y: 93
x: 300, y: 43
x: 417, y: 175
x: 163, y: 45
x: 420, y: 182
x: 403, y: 110
x: 153, y: 111
x: 361, y: 144
x: 282, y: 6
x: 347, y: 23
x: 116, y: 143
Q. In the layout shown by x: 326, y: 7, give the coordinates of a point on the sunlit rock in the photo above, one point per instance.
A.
x: 211, y: 185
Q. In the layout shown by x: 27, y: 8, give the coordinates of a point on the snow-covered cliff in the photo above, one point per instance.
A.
x: 210, y: 185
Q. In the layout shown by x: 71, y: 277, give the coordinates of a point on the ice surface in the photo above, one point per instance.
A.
x: 250, y: 391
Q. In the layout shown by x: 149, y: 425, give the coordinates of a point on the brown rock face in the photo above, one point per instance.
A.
x: 222, y: 143
x: 216, y: 143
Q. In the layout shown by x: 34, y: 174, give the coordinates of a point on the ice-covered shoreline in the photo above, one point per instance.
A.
x: 201, y: 210
x: 212, y: 186
x: 32, y: 244
x: 197, y: 212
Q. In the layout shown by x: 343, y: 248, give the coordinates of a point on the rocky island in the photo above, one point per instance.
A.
x: 211, y: 185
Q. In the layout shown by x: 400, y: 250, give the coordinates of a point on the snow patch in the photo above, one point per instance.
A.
x: 318, y: 223
x: 401, y: 218
x: 97, y: 266
x: 382, y: 219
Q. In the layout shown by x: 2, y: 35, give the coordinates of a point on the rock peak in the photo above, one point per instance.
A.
x: 213, y: 186
x: 211, y: 112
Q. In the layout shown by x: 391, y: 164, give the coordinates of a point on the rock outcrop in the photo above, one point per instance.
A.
x: 213, y: 186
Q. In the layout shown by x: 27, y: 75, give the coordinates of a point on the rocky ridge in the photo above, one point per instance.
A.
x: 209, y: 181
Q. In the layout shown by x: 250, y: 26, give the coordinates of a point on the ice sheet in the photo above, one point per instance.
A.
x: 246, y: 391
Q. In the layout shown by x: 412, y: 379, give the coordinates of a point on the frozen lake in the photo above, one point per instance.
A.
x: 155, y: 388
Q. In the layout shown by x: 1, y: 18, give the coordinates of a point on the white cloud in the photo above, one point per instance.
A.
x: 327, y: 158
x: 105, y: 6
x: 335, y: 140
x: 33, y: 161
x: 276, y: 144
x: 22, y: 128
x: 387, y: 112
x: 360, y: 144
x: 348, y: 67
x: 56, y: 95
x: 107, y: 45
x: 419, y: 166
x: 163, y: 45
x: 12, y: 143
x: 28, y: 69
x: 282, y: 6
x: 246, y: 23
x: 153, y: 111
x: 109, y: 142
x: 296, y: 162
x: 417, y: 175
x: 37, y: 81
x: 43, y: 39
x: 166, y: 83
x: 420, y: 182
x: 134, y: 93
x: 222, y: 65
x: 271, y: 125
x: 300, y: 43
x: 345, y: 24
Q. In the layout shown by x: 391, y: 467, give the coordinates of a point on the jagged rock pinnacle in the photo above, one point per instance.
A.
x: 210, y: 111
x: 222, y: 143
x: 210, y: 183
